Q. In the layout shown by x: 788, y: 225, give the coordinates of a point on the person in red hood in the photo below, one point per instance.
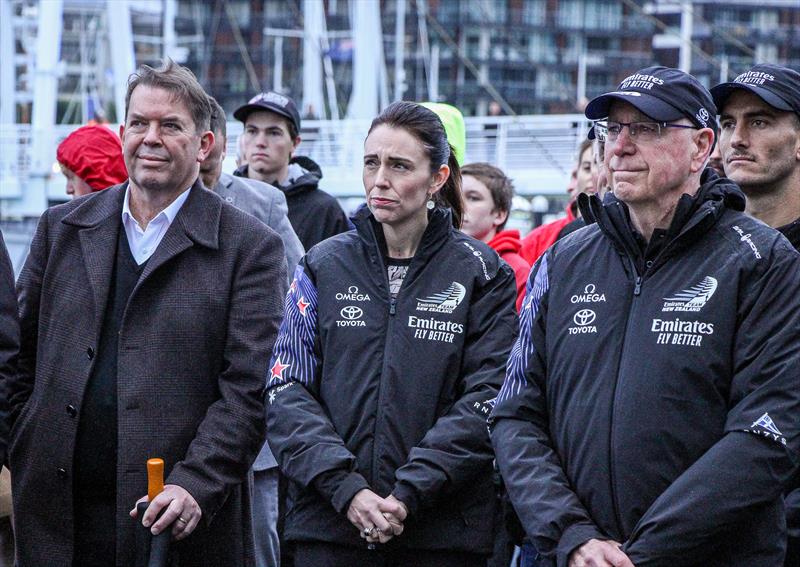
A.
x: 91, y: 160
x: 487, y: 199
x: 540, y: 238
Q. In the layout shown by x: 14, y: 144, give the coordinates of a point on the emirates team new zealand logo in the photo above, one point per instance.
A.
x: 445, y: 301
x: 692, y: 299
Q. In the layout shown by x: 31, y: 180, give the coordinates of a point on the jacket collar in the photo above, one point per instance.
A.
x: 440, y: 224
x: 694, y: 215
x: 199, y: 216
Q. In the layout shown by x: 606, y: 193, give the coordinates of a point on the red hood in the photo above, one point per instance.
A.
x: 94, y: 153
x: 506, y: 241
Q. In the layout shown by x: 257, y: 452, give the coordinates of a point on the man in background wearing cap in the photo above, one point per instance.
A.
x: 650, y: 410
x: 268, y: 205
x: 91, y: 160
x: 271, y: 135
x: 760, y: 145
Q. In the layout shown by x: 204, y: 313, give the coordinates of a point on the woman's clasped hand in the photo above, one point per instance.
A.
x: 377, y: 519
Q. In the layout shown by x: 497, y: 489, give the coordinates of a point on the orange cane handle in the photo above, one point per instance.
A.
x: 155, y: 477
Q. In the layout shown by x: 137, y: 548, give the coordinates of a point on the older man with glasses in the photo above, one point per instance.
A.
x: 650, y: 410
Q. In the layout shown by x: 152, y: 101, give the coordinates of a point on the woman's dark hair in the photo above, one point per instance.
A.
x: 425, y: 126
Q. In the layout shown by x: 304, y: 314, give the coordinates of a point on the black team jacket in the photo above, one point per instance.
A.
x: 657, y: 403
x: 393, y: 395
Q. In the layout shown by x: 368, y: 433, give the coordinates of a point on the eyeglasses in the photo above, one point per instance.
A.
x: 639, y: 131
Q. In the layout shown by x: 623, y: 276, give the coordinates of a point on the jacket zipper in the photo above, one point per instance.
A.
x: 381, y: 385
x: 637, y: 291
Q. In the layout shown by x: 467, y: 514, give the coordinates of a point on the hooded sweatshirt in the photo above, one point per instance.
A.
x: 507, y: 245
x: 540, y: 238
x: 315, y: 215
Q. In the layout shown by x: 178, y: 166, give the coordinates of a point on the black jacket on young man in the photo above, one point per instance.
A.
x: 652, y: 399
x: 392, y: 394
x: 315, y: 215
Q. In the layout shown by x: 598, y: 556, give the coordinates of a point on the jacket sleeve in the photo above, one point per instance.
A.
x: 29, y: 288
x: 458, y: 446
x: 9, y: 339
x: 228, y: 439
x: 551, y: 513
x: 300, y: 434
x: 279, y: 222
x: 752, y: 464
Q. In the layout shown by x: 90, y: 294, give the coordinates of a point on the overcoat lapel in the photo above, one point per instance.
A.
x: 99, y: 220
x: 196, y: 222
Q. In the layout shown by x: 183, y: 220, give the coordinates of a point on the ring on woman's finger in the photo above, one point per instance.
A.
x: 369, y: 531
x: 181, y: 520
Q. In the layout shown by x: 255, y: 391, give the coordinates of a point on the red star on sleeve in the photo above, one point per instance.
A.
x: 277, y: 369
x: 302, y: 304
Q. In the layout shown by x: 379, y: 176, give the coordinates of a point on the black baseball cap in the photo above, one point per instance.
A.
x: 663, y: 94
x: 271, y: 102
x: 778, y: 86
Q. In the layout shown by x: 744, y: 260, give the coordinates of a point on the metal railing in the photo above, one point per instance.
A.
x: 536, y: 151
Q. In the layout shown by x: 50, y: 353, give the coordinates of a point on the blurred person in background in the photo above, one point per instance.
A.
x: 487, y: 202
x: 271, y: 136
x: 599, y: 178
x: 91, y: 160
x: 268, y: 205
x: 388, y: 450
x: 760, y: 143
x: 539, y: 239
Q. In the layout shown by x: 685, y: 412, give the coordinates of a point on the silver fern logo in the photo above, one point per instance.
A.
x: 692, y: 299
x: 445, y: 301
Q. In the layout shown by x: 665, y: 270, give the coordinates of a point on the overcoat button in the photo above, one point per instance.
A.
x: 90, y: 353
x: 71, y: 410
x: 62, y: 473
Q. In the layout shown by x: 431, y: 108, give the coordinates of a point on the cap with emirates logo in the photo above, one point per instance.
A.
x: 778, y: 86
x: 271, y: 102
x: 663, y: 94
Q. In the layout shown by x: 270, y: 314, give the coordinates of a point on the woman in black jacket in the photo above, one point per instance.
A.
x: 387, y: 365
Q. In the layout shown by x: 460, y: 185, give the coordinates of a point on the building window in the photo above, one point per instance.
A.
x: 534, y: 12
x: 765, y: 19
x: 570, y: 14
x: 603, y: 15
x: 542, y: 48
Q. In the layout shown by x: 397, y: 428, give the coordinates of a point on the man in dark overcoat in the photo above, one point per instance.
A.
x: 147, y: 314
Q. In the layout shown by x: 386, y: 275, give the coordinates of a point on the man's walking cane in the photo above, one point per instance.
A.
x: 152, y: 551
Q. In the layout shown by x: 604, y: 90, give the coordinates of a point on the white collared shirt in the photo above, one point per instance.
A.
x: 144, y: 242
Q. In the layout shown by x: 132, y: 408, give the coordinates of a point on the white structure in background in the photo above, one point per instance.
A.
x: 535, y: 150
x: 370, y: 87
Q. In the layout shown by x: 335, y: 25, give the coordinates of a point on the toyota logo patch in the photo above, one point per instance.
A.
x: 351, y: 312
x: 584, y: 317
